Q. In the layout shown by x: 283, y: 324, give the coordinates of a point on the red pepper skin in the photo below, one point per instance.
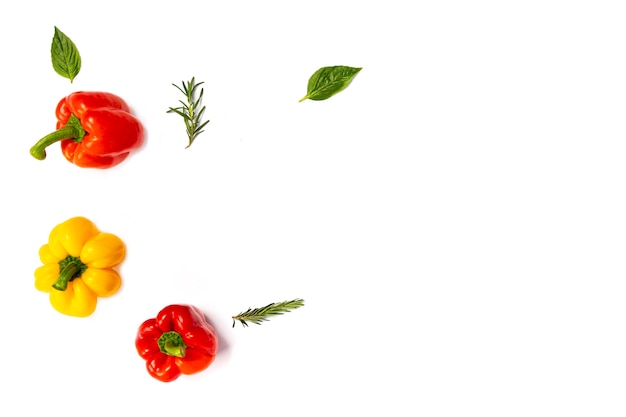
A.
x: 103, y: 135
x: 189, y: 326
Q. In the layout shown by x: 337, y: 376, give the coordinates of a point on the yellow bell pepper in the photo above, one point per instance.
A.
x: 77, y: 268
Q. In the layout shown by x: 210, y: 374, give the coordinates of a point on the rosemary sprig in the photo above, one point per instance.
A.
x: 189, y: 110
x: 259, y: 315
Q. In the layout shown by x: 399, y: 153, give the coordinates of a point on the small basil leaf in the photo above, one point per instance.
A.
x: 65, y: 57
x: 328, y: 81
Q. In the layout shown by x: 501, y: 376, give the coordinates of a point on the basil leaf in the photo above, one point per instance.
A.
x: 65, y: 57
x: 328, y: 81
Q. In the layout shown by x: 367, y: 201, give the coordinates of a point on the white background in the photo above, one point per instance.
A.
x: 454, y: 219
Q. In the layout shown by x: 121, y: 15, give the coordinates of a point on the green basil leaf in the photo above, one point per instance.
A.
x: 328, y: 81
x: 65, y: 57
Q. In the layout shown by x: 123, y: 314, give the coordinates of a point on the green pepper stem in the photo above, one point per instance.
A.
x: 67, y: 273
x: 72, y: 130
x: 171, y: 343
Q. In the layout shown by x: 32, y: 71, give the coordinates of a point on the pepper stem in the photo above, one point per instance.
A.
x: 171, y: 343
x: 66, y: 275
x: 72, y: 130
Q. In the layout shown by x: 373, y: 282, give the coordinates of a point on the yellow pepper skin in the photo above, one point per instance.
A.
x: 78, y: 263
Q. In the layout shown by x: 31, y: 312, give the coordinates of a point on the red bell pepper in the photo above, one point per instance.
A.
x: 178, y: 341
x: 96, y: 130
